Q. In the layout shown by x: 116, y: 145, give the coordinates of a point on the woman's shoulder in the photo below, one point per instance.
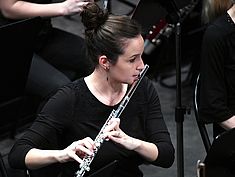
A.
x: 219, y: 28
x: 147, y: 87
x: 147, y: 82
x: 69, y: 93
x: 73, y: 87
x: 76, y: 85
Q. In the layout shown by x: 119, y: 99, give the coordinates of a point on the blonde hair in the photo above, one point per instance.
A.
x: 214, y: 8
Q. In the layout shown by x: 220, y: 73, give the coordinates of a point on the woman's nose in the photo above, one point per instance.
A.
x: 141, y: 65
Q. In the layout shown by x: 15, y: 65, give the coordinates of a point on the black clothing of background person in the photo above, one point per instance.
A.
x: 217, y: 79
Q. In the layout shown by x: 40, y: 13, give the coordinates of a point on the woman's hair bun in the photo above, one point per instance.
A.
x: 93, y: 16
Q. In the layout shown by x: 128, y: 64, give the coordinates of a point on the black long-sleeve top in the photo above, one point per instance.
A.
x: 217, y: 79
x: 74, y: 113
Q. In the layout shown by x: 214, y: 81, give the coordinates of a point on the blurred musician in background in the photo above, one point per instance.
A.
x: 217, y: 78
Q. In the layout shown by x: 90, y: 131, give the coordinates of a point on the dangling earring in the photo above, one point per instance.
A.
x: 107, y: 69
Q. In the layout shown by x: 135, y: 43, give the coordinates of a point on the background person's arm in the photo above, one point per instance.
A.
x: 17, y: 9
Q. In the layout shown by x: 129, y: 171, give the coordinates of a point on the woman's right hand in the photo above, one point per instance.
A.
x: 77, y: 150
x: 37, y: 158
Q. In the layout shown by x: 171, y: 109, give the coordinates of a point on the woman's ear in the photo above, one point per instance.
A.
x: 104, y: 62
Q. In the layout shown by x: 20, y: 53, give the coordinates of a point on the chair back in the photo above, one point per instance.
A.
x: 3, y: 171
x: 7, y: 171
x: 201, y: 125
x: 17, y: 48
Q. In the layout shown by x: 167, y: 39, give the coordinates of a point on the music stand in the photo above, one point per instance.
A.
x: 220, y: 160
x: 106, y: 171
x: 175, y: 16
x: 180, y: 110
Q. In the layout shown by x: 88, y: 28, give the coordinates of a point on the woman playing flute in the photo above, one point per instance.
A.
x: 65, y: 129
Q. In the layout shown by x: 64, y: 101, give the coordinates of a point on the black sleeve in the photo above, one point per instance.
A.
x: 213, y: 93
x: 157, y: 131
x: 46, y: 129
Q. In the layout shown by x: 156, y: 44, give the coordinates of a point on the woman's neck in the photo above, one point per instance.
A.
x: 105, y: 90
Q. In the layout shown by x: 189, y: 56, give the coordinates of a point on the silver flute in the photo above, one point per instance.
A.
x: 86, y: 161
x: 105, y: 4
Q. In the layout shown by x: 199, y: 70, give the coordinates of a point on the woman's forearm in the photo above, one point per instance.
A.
x: 148, y: 151
x: 36, y: 158
x: 22, y: 9
x: 229, y: 123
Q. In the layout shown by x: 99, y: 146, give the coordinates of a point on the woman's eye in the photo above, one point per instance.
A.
x: 132, y: 60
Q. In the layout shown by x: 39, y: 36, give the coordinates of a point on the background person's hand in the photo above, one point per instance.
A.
x: 72, y: 7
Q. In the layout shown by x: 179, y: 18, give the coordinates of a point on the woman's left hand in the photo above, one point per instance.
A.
x: 114, y: 133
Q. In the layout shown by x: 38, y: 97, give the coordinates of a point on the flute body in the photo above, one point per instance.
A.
x: 85, y: 165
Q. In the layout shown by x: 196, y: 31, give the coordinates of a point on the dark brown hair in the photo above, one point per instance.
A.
x: 212, y: 9
x: 106, y: 34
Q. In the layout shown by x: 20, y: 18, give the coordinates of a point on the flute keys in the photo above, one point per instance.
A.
x: 97, y: 144
x: 87, y: 168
